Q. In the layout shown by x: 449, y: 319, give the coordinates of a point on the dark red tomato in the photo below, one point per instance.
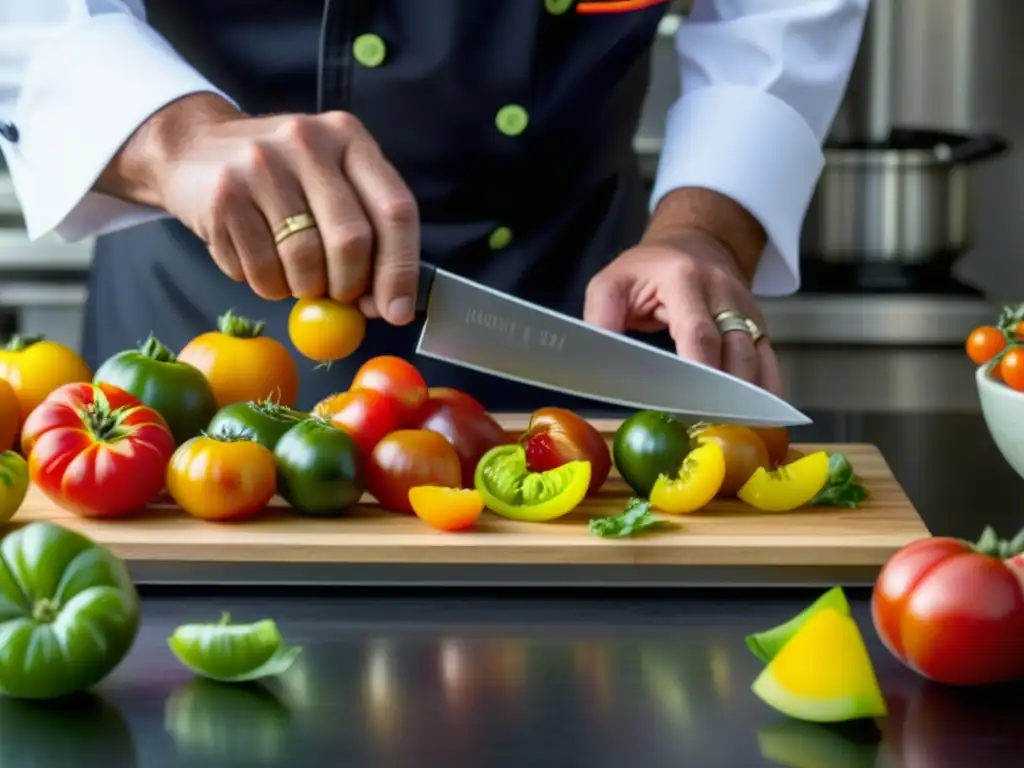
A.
x: 366, y: 415
x: 455, y: 397
x: 557, y: 436
x: 94, y: 460
x: 471, y: 433
x: 409, y: 458
x: 953, y: 611
x: 396, y: 377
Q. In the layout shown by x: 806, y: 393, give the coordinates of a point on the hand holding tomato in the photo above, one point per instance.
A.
x: 954, y: 611
x: 556, y: 436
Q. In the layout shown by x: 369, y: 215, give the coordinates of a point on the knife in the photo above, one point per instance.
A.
x: 476, y: 327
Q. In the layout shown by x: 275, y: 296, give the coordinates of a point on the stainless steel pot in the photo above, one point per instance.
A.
x: 904, y: 201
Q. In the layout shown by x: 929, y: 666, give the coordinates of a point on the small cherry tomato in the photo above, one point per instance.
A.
x: 1011, y: 369
x: 556, y: 436
x: 35, y: 366
x: 447, y: 509
x: 471, y: 433
x: 222, y: 479
x: 365, y: 414
x: 396, y: 377
x: 325, y: 330
x: 776, y: 442
x: 984, y: 343
x: 744, y: 453
x: 409, y: 458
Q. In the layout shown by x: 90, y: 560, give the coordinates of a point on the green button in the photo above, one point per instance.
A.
x: 512, y: 119
x: 369, y: 50
x: 500, y: 238
x: 557, y: 7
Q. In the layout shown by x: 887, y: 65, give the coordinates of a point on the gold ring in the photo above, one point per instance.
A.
x: 730, y: 320
x: 756, y: 334
x: 300, y: 222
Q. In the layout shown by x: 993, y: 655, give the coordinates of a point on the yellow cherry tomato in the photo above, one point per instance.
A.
x: 788, y: 487
x: 447, y: 509
x: 697, y: 482
x: 13, y: 484
x: 35, y: 366
x: 222, y: 479
x: 242, y: 365
x: 325, y: 330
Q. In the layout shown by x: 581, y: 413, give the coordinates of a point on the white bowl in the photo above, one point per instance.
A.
x: 1003, y: 409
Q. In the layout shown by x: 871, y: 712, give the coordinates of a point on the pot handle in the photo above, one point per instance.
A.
x: 971, y: 150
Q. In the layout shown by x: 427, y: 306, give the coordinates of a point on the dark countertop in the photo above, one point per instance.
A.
x: 543, y: 678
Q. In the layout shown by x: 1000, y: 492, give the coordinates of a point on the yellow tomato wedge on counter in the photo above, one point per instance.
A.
x: 446, y: 509
x: 697, y: 482
x: 787, y: 487
x: 824, y: 674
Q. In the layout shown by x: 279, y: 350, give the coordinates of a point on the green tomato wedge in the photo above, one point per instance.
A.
x: 233, y: 653
x: 510, y: 489
x: 766, y: 645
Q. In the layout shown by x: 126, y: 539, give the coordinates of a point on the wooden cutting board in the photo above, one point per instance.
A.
x: 728, y: 542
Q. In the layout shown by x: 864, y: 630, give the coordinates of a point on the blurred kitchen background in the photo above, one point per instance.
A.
x: 915, y: 235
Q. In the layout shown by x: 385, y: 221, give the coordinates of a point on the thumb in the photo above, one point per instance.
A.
x: 607, y: 301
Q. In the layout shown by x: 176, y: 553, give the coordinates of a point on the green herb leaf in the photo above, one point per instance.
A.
x: 636, y: 518
x: 842, y: 488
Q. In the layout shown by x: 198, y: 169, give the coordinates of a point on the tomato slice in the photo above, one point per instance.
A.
x: 511, y: 490
x: 447, y: 509
x: 788, y: 487
x: 698, y: 480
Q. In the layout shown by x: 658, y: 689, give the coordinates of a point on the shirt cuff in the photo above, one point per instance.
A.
x: 755, y: 149
x: 83, y: 96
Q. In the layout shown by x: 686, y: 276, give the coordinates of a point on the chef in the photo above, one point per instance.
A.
x: 238, y: 153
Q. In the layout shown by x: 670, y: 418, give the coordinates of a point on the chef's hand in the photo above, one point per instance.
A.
x: 235, y: 179
x: 680, y: 284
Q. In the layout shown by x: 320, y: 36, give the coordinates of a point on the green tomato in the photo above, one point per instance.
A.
x: 177, y: 391
x: 649, y: 444
x: 265, y: 422
x: 69, y: 612
x: 509, y: 488
x: 319, y: 469
x: 13, y: 484
x: 233, y: 653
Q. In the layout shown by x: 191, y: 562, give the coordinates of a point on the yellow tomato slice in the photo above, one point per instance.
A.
x: 447, y: 509
x: 699, y: 478
x: 788, y: 487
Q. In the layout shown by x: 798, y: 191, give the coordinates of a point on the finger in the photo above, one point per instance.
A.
x: 279, y: 194
x: 394, y: 216
x: 252, y: 241
x: 606, y: 304
x: 222, y: 251
x: 769, y: 376
x: 689, y: 322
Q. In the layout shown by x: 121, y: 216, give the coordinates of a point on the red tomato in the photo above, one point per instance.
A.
x: 365, y: 414
x: 471, y: 433
x: 409, y: 458
x: 456, y: 398
x: 1011, y: 368
x: 93, y: 459
x: 952, y: 611
x: 557, y: 436
x: 984, y: 343
x: 396, y: 377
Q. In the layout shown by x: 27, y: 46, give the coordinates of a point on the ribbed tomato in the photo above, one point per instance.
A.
x: 96, y: 451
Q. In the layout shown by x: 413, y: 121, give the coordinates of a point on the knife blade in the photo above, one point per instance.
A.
x: 476, y: 327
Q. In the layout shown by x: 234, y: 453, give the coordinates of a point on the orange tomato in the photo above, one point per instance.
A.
x: 1011, y: 369
x: 395, y: 377
x: 744, y: 453
x: 325, y: 330
x: 776, y: 441
x: 35, y: 366
x: 446, y: 509
x: 222, y: 479
x: 10, y: 417
x: 242, y: 365
x: 984, y: 343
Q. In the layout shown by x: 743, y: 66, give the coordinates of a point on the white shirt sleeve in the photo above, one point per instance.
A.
x: 762, y: 81
x: 77, y: 77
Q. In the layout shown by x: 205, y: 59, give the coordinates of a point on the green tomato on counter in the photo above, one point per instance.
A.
x: 647, y: 445
x: 233, y: 653
x: 265, y: 422
x: 69, y: 612
x: 177, y: 391
x: 319, y: 469
x: 13, y: 484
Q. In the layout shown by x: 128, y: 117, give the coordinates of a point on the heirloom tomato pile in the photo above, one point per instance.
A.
x: 217, y: 429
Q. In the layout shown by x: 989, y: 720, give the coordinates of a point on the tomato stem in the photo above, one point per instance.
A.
x: 240, y: 327
x: 991, y: 545
x: 45, y: 610
x: 20, y: 343
x: 103, y: 423
x: 154, y: 349
x: 233, y: 435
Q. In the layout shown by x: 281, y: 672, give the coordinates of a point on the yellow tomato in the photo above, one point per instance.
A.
x: 222, y: 478
x: 696, y: 483
x: 13, y: 484
x: 34, y: 367
x: 325, y: 330
x: 447, y: 509
x: 789, y: 487
x: 242, y: 365
x: 10, y: 416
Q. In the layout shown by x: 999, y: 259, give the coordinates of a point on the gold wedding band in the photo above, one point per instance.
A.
x: 730, y: 320
x: 756, y: 334
x: 300, y: 222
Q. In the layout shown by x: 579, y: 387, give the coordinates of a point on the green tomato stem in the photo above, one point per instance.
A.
x: 154, y: 349
x: 991, y: 545
x: 239, y: 327
x: 45, y: 610
x: 105, y: 425
x: 20, y: 343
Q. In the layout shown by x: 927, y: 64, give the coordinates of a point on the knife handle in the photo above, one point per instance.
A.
x: 426, y: 282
